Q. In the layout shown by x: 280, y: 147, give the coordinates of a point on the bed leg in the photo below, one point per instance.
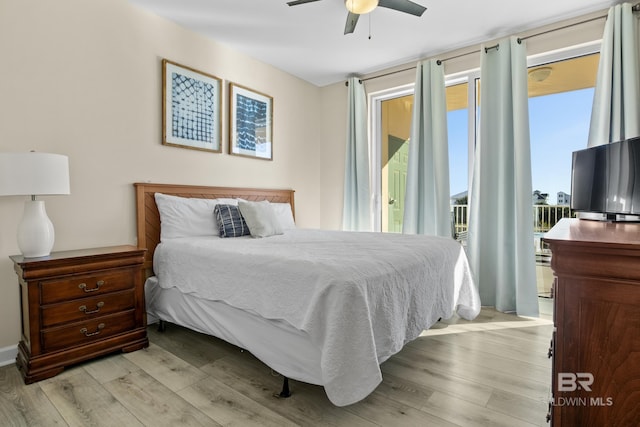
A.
x: 285, y: 389
x: 161, y: 325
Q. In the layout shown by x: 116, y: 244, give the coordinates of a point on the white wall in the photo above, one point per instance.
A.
x: 332, y: 154
x: 83, y: 78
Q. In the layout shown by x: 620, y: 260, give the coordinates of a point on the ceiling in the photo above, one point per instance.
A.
x: 307, y: 41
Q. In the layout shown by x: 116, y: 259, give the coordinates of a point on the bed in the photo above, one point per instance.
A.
x: 323, y: 307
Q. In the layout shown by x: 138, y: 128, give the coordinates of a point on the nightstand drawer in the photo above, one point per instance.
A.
x: 81, y: 333
x: 82, y: 286
x: 87, y: 308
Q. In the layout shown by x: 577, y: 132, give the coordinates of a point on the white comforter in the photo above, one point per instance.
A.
x: 359, y: 296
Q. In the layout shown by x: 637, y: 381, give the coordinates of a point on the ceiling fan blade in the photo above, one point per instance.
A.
x: 352, y: 20
x: 297, y: 2
x: 406, y: 6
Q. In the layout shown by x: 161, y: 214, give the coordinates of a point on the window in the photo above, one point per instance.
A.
x: 560, y: 99
x: 458, y: 130
x: 393, y: 130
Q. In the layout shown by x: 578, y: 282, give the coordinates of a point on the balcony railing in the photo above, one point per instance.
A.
x: 544, y: 217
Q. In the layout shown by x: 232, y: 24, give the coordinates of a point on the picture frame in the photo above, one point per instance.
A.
x: 250, y: 123
x: 191, y: 108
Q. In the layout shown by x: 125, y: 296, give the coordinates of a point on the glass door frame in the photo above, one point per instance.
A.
x: 543, y: 58
x: 471, y: 77
x: 375, y: 100
x: 375, y: 145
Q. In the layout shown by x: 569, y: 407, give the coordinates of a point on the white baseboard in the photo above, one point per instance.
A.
x: 8, y: 355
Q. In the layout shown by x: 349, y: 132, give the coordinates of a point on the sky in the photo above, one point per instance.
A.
x: 559, y: 125
x: 457, y: 128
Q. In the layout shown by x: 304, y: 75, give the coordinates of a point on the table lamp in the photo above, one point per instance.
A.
x: 34, y: 174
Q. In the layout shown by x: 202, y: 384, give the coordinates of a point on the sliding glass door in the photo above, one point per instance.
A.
x: 394, y: 126
x: 560, y: 101
x: 560, y: 97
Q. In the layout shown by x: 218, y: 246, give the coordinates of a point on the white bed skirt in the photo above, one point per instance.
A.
x: 276, y: 343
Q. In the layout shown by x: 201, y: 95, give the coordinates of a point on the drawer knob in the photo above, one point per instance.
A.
x: 83, y: 286
x: 86, y: 332
x: 83, y: 308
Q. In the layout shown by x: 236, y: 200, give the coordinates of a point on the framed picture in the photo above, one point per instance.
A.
x: 250, y: 123
x: 191, y: 103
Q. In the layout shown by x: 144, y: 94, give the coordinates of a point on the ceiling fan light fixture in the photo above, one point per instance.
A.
x: 360, y: 7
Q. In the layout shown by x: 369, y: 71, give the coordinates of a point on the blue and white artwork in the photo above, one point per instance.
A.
x: 251, y: 123
x: 191, y: 108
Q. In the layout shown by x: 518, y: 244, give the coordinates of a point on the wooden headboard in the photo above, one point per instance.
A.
x: 148, y: 218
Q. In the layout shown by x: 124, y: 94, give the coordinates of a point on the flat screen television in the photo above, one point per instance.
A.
x: 606, y: 179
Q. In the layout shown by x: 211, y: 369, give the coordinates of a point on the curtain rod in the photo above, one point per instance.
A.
x: 635, y: 8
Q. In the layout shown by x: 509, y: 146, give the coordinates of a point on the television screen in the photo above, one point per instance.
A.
x: 606, y: 178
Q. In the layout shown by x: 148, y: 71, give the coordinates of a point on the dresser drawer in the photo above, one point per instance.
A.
x: 86, y: 285
x: 87, y: 308
x: 81, y: 333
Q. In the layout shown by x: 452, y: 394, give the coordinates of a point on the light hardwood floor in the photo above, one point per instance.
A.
x: 493, y: 371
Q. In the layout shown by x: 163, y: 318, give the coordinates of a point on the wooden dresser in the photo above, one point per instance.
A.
x: 77, y: 305
x: 596, y: 342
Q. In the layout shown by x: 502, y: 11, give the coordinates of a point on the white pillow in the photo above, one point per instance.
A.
x: 186, y: 217
x: 225, y: 201
x: 260, y: 218
x: 284, y: 215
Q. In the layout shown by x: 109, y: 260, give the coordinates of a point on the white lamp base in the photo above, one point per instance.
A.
x: 35, y: 231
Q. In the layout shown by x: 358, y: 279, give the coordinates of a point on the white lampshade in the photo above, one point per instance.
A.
x: 34, y: 174
x: 360, y: 6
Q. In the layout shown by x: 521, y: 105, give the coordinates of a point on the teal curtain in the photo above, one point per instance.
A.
x: 616, y: 113
x: 356, y: 214
x: 427, y: 201
x: 500, y: 239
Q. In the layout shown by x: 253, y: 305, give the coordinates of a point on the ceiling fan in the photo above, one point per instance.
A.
x: 360, y: 7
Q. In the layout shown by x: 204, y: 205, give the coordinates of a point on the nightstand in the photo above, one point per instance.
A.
x: 77, y: 305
